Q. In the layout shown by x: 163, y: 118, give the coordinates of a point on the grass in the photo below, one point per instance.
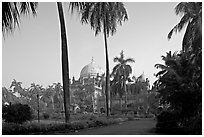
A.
x: 78, y: 122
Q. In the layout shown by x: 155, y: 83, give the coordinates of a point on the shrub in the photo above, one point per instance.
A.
x: 16, y: 113
x: 196, y: 125
x: 46, y: 116
x: 166, y: 120
x: 43, y: 128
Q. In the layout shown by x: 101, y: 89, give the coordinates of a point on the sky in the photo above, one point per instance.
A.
x: 33, y: 52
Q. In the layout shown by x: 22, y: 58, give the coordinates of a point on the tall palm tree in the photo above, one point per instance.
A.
x: 192, y: 17
x: 122, y: 71
x: 104, y: 16
x: 11, y: 13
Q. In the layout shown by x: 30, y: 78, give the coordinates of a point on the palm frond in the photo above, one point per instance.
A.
x: 11, y: 14
x: 116, y: 59
x: 115, y: 68
x: 184, y: 20
x: 129, y: 60
x: 162, y: 72
x: 77, y: 6
x: 103, y: 15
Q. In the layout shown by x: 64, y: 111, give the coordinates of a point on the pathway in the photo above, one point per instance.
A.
x: 134, y: 127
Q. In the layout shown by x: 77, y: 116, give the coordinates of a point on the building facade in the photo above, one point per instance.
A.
x: 91, y: 87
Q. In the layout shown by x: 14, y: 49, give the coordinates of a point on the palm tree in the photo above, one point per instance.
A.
x: 16, y: 85
x: 122, y: 71
x: 65, y: 62
x: 180, y: 85
x: 11, y: 13
x: 192, y: 17
x: 36, y: 90
x: 104, y: 16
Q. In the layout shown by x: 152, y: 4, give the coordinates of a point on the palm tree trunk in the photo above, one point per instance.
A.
x: 38, y: 107
x: 107, y: 91
x: 65, y: 63
x: 125, y: 90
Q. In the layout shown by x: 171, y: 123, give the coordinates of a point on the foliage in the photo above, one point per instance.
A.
x: 9, y: 97
x: 46, y: 116
x: 104, y: 17
x: 192, y: 18
x: 180, y: 80
x: 179, y: 85
x: 11, y: 12
x: 153, y: 102
x: 43, y: 128
x: 120, y: 74
x: 83, y: 97
x: 16, y: 113
x: 167, y: 120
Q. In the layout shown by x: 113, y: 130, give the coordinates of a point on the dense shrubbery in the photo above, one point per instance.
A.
x: 46, y: 116
x: 179, y: 82
x: 167, y: 120
x: 42, y: 128
x: 16, y: 113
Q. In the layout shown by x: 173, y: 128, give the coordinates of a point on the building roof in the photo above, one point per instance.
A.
x: 141, y: 78
x: 91, y: 70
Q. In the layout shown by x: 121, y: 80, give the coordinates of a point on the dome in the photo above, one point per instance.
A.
x: 141, y: 78
x: 91, y: 70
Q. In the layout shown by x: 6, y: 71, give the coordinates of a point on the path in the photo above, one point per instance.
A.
x: 135, y: 127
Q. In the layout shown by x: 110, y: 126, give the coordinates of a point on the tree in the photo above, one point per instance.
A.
x: 21, y: 93
x: 11, y: 13
x: 8, y: 97
x: 16, y: 113
x: 65, y: 63
x: 179, y: 86
x: 192, y: 17
x: 121, y: 73
x: 104, y: 16
x: 36, y: 93
x: 58, y: 97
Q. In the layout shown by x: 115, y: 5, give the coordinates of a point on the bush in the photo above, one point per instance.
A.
x: 16, y: 113
x: 43, y: 128
x: 166, y: 120
x: 46, y: 116
x: 196, y: 125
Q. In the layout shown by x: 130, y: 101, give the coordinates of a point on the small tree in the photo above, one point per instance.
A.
x: 16, y: 113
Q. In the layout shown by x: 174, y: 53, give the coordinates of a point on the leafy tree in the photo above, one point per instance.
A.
x: 180, y: 80
x: 121, y: 74
x: 83, y: 96
x: 8, y: 97
x: 179, y: 86
x: 16, y: 113
x: 104, y: 16
x: 58, y: 97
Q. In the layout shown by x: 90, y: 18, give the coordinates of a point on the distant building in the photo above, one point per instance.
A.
x: 93, y: 77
